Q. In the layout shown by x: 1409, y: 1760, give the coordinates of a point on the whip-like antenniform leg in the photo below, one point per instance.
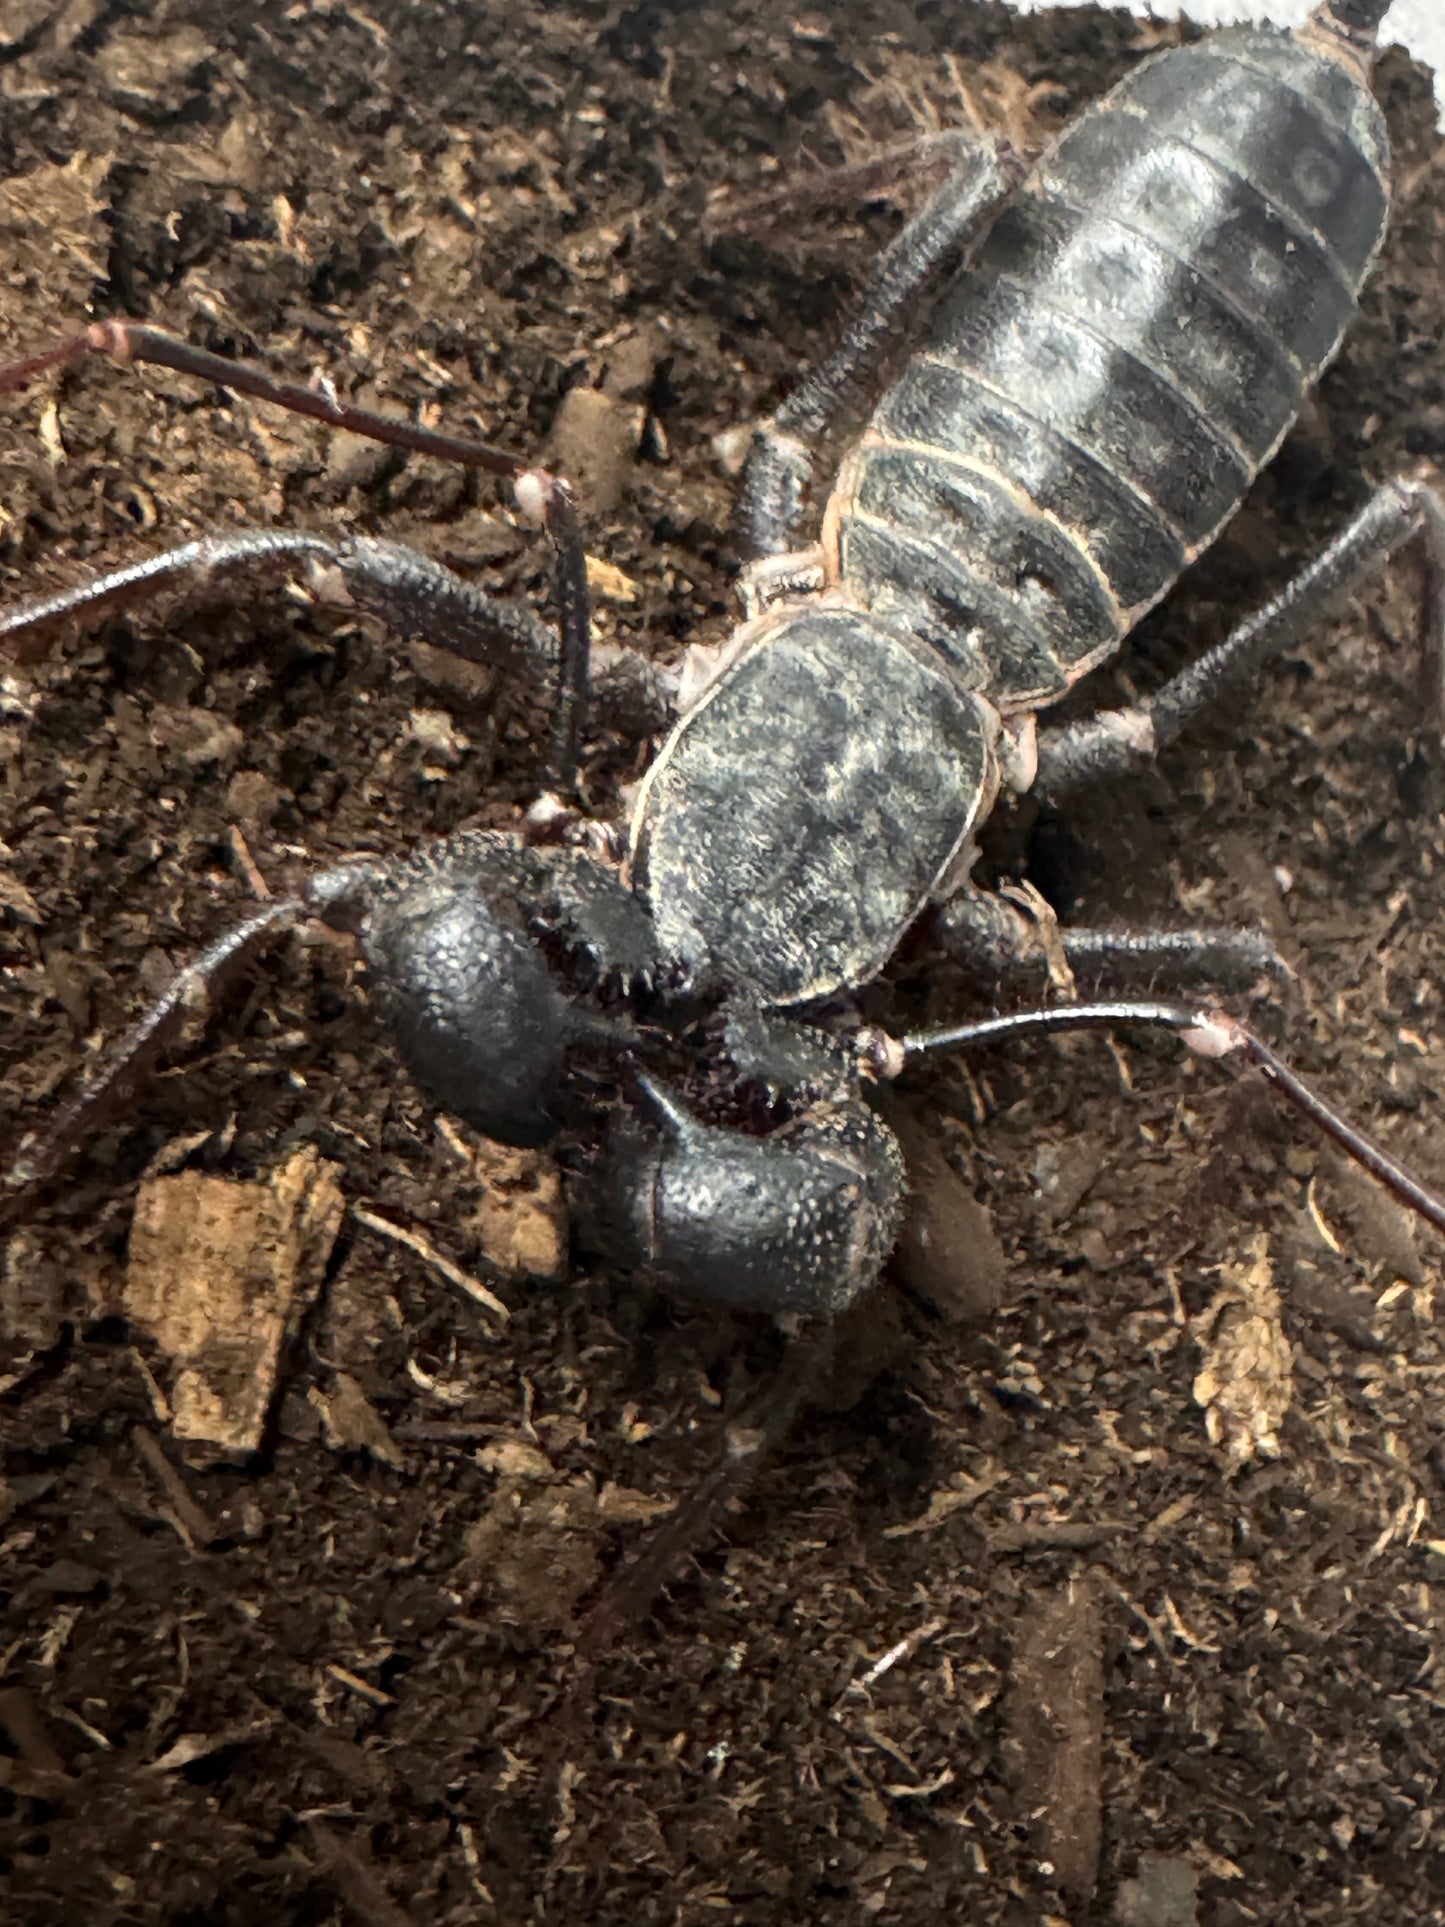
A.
x: 132, y: 341
x: 406, y: 589
x: 1212, y: 1034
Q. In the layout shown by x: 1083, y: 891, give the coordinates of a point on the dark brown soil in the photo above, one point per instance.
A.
x: 1124, y: 1682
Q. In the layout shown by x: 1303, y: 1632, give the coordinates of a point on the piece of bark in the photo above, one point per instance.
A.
x: 219, y: 1274
x: 598, y: 430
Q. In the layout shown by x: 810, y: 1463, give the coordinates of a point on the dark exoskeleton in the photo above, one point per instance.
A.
x: 1131, y: 332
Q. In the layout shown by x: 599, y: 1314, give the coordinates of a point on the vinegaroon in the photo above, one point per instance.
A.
x: 1121, y: 336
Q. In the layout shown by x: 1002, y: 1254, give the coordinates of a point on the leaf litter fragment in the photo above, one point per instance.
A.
x: 1247, y: 1377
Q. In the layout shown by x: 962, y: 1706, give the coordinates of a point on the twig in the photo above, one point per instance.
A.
x: 425, y: 1250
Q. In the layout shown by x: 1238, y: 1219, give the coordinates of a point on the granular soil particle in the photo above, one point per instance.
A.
x: 1009, y: 1629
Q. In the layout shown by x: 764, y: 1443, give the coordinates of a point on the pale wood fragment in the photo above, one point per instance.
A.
x: 219, y: 1274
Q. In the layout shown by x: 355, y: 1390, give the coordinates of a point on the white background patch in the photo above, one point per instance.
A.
x: 1416, y: 24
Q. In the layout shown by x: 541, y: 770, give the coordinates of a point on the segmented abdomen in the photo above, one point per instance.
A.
x: 1130, y: 345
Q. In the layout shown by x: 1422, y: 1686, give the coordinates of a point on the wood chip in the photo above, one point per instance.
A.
x: 219, y: 1275
x: 17, y: 901
x: 608, y: 583
x: 363, y: 1688
x: 31, y: 1293
x: 536, y: 1549
x: 596, y: 432
x: 1380, y: 1231
x: 943, y: 1503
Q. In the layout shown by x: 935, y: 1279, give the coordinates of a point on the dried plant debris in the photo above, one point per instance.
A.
x: 1247, y: 1377
x: 218, y: 1276
x: 519, y: 1221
